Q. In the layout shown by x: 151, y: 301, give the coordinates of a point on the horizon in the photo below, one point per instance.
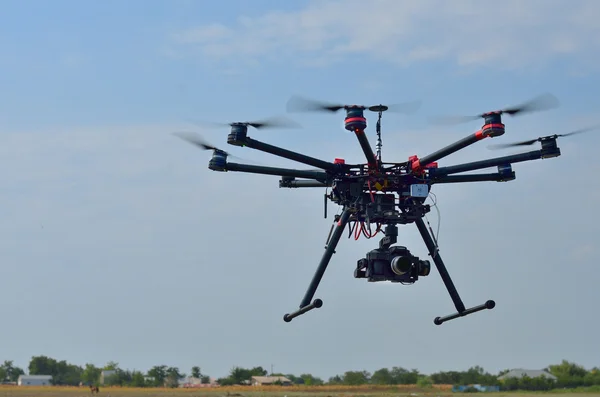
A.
x: 325, y: 379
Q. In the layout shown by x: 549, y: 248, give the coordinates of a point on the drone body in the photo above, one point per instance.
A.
x: 384, y: 195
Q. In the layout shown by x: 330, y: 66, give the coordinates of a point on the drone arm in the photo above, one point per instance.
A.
x: 418, y: 164
x: 288, y: 154
x: 476, y: 165
x: 290, y: 182
x: 366, y: 147
x: 491, y: 177
x: 441, y: 267
x: 285, y: 172
x: 306, y: 303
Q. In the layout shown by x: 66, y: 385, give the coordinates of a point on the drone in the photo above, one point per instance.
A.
x: 382, y: 195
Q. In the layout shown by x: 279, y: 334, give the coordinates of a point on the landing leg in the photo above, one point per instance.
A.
x: 439, y: 263
x: 306, y: 304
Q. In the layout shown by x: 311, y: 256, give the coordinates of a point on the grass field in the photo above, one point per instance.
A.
x: 271, y: 391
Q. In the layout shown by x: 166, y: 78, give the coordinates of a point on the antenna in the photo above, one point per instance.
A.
x: 378, y: 129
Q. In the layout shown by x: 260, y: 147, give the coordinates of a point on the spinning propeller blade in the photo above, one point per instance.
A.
x: 197, y: 140
x: 272, y: 122
x: 532, y: 141
x: 541, y: 102
x: 300, y: 104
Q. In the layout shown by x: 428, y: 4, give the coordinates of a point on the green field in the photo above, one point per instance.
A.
x: 271, y: 391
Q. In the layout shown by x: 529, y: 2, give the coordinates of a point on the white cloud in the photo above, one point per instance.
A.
x: 466, y: 32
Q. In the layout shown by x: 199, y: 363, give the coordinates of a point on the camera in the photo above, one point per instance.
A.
x: 395, y: 264
x: 387, y: 263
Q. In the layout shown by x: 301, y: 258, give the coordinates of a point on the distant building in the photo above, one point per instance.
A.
x: 34, y: 380
x: 463, y: 388
x: 105, y: 374
x: 270, y: 380
x: 530, y: 373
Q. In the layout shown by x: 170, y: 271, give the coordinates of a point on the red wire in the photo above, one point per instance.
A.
x: 366, y: 233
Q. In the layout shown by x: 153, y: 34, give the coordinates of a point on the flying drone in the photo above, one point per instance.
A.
x: 383, y: 195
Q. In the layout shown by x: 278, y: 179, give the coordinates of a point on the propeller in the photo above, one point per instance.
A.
x: 301, y: 104
x: 197, y: 140
x: 272, y: 122
x: 532, y: 141
x: 541, y: 102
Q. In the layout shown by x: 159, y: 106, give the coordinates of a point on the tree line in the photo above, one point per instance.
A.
x: 568, y: 375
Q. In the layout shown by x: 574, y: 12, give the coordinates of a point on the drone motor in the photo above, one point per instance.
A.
x: 355, y: 119
x: 237, y: 135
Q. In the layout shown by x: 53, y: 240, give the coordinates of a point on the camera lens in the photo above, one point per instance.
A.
x: 424, y: 268
x: 401, y: 265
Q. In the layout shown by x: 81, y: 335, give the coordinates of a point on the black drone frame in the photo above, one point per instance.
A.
x: 423, y: 169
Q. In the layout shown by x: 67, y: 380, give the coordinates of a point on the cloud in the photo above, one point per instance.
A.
x: 465, y: 32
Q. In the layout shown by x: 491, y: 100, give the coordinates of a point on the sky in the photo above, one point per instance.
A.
x: 118, y: 243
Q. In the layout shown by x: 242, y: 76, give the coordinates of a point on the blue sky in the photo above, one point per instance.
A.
x: 117, y: 242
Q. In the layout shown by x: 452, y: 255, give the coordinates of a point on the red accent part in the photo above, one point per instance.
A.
x: 479, y: 135
x: 339, y: 161
x: 351, y: 119
x: 416, y: 165
x: 499, y: 126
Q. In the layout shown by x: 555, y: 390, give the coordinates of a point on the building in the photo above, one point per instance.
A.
x: 270, y: 380
x: 34, y: 380
x: 480, y: 388
x: 530, y: 373
x: 106, y: 374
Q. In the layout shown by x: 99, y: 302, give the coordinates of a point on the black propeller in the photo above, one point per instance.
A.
x: 300, y: 104
x: 272, y: 122
x: 197, y: 140
x: 541, y: 102
x: 532, y: 141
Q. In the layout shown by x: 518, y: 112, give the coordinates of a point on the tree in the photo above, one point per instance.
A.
x: 239, y: 375
x: 424, y: 382
x: 62, y: 372
x: 10, y: 372
x: 402, y: 376
x: 111, y: 366
x: 66, y: 374
x: 42, y: 365
x: 568, y: 374
x: 196, y: 372
x: 355, y: 378
x: 137, y: 379
x: 91, y: 374
x: 335, y: 380
x: 447, y: 378
x: 382, y: 376
x: 311, y: 380
x: 172, y: 376
x: 159, y: 373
